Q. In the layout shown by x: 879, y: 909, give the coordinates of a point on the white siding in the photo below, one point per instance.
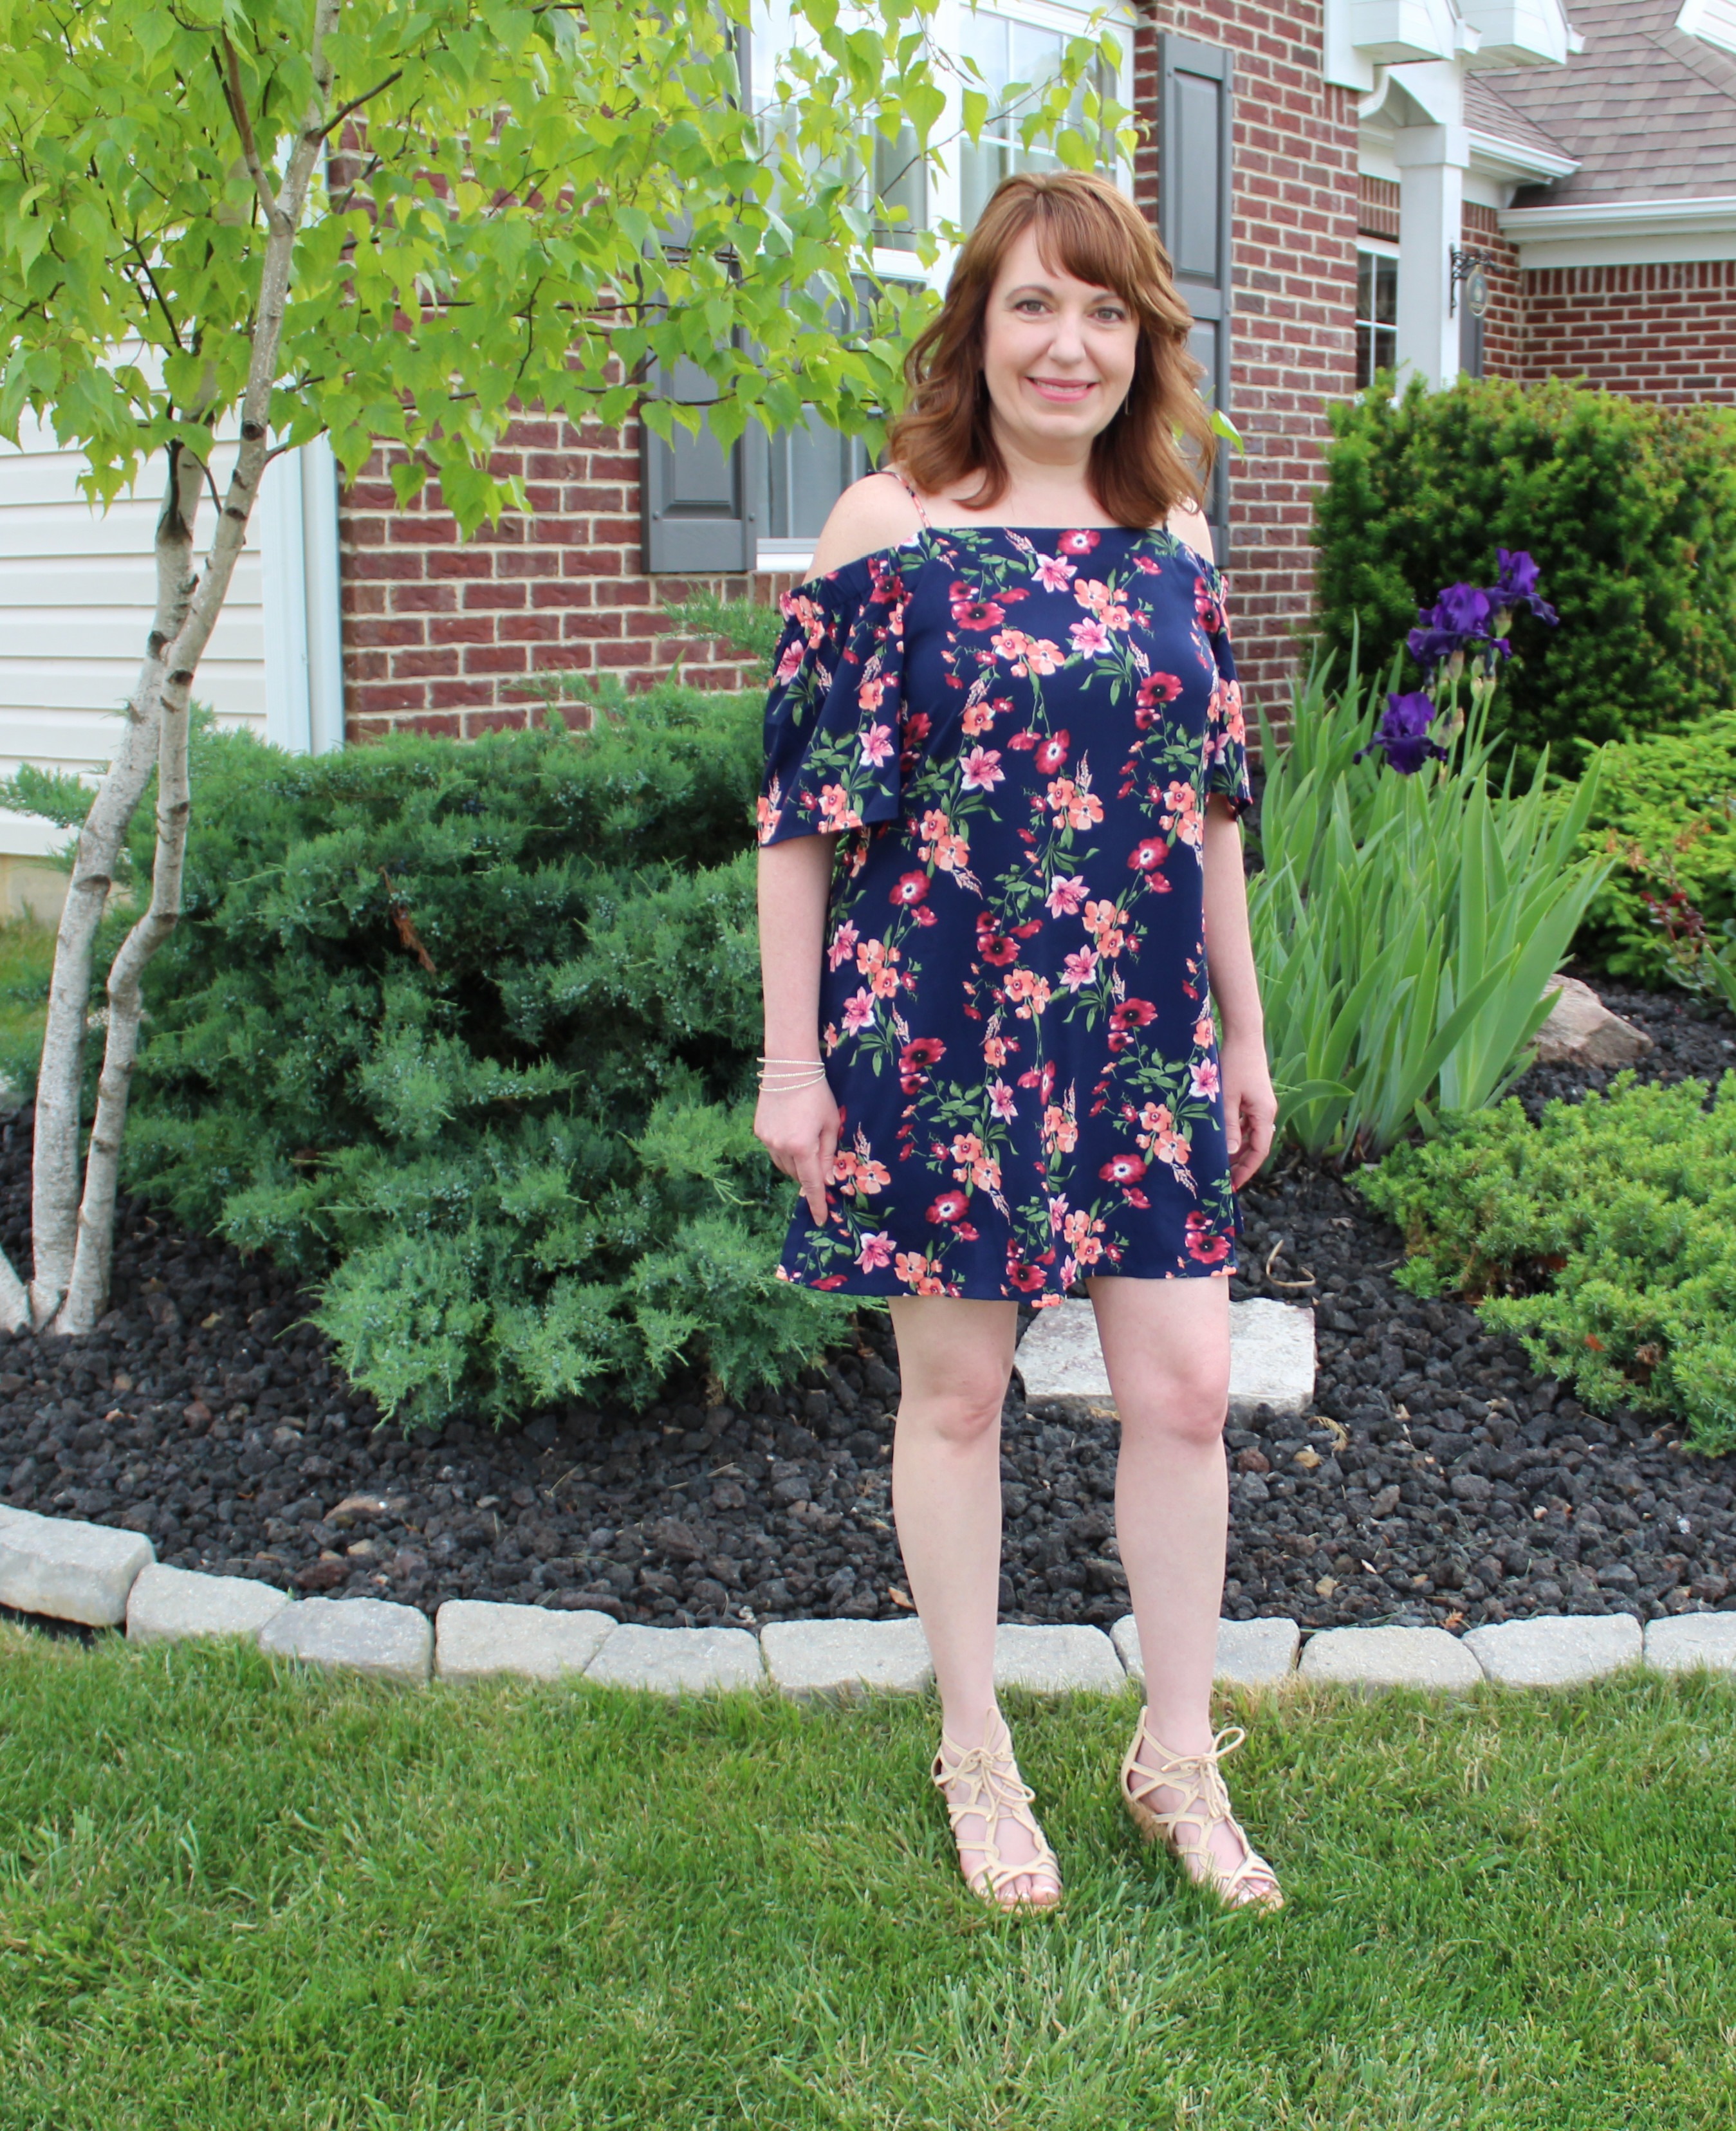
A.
x: 77, y: 591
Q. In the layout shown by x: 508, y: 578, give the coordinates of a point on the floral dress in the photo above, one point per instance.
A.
x: 1016, y: 733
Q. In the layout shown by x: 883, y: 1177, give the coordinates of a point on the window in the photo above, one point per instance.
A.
x: 1377, y: 314
x: 1007, y: 51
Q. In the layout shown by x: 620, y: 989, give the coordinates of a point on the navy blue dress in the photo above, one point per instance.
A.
x: 1016, y: 733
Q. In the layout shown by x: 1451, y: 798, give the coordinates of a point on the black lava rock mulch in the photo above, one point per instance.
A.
x: 1438, y: 1480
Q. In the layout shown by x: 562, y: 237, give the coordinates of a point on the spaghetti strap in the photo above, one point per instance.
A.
x: 893, y: 474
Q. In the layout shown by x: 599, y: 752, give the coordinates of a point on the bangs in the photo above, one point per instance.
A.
x: 1083, y: 237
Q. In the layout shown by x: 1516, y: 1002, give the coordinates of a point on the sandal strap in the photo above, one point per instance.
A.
x: 995, y: 1792
x: 1204, y: 1803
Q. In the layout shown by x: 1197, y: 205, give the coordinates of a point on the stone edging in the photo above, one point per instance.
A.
x: 101, y: 1577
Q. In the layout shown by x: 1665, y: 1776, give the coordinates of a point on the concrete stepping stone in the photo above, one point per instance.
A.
x: 1271, y: 1361
x: 1390, y: 1657
x: 353, y: 1635
x: 833, y: 1657
x: 1250, y: 1652
x: 479, y: 1638
x: 176, y: 1605
x: 1556, y: 1649
x: 1691, y: 1639
x: 68, y: 1570
x: 678, y: 1660
x: 1065, y: 1660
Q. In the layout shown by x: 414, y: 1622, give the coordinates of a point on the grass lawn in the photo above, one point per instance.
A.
x: 236, y: 1898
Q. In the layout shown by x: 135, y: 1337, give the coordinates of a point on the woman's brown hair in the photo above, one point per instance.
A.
x: 1089, y: 229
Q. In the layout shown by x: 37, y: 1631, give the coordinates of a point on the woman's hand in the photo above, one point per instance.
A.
x: 1250, y: 1108
x: 800, y: 1133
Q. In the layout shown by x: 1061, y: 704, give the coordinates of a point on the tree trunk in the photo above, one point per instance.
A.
x: 87, y: 1288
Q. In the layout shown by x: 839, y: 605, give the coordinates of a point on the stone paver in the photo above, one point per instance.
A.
x: 1390, y: 1657
x: 476, y: 1638
x: 1065, y: 1660
x: 68, y: 1570
x: 1271, y: 1361
x: 170, y: 1605
x: 819, y: 1657
x: 1691, y: 1640
x: 674, y: 1660
x: 354, y: 1635
x: 1249, y: 1653
x: 1556, y: 1649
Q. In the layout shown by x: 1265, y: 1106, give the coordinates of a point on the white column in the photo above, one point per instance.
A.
x: 1432, y: 160
x: 297, y: 513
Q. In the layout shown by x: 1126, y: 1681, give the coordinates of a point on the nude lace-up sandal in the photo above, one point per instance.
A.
x: 1187, y: 1828
x: 995, y: 1792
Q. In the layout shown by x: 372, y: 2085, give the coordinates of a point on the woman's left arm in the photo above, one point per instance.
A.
x: 1250, y: 1108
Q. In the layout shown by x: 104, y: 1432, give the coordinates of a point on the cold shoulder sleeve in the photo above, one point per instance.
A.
x: 1226, y: 732
x: 832, y: 717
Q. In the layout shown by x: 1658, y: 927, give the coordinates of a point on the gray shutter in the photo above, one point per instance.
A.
x: 1195, y: 143
x: 696, y: 506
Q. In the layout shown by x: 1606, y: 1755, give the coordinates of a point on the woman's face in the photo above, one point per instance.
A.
x: 1058, y: 355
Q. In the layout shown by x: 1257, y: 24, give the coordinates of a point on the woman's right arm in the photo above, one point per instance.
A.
x: 800, y: 1129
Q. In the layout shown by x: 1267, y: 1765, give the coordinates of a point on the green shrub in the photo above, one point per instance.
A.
x: 1605, y: 1237
x: 1403, y: 926
x: 1629, y: 509
x: 465, y: 1033
x: 1665, y: 813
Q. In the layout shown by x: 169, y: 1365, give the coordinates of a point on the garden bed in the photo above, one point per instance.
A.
x: 1439, y: 1480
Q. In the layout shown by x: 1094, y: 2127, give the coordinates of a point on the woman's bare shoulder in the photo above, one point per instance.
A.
x: 1189, y: 522
x: 874, y: 513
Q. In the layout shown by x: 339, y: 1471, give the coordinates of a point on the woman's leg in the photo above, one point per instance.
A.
x: 955, y: 1359
x: 1166, y: 1345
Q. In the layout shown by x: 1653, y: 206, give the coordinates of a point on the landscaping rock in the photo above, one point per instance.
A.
x: 1271, y: 1361
x: 1057, y: 1661
x: 1249, y: 1653
x: 820, y: 1657
x: 1692, y: 1640
x: 1581, y: 1031
x: 476, y: 1639
x: 1558, y: 1649
x: 170, y: 1605
x: 677, y: 1660
x: 68, y: 1570
x: 1390, y: 1657
x: 353, y: 1635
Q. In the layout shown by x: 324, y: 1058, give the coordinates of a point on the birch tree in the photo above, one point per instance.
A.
x: 400, y: 225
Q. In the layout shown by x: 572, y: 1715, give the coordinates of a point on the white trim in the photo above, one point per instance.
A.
x: 1498, y: 157
x: 1712, y: 22
x: 324, y: 597
x: 778, y: 559
x: 298, y: 540
x: 1623, y: 232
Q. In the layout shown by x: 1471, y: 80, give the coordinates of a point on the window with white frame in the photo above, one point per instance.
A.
x: 1376, y: 311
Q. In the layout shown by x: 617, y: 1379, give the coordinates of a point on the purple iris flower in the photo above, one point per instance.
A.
x: 1458, y: 619
x: 1404, y: 734
x: 1516, y: 588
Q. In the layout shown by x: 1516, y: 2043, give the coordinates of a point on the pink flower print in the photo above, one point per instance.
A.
x: 1203, y: 1031
x: 1002, y: 1103
x: 1079, y: 968
x: 836, y: 814
x: 871, y: 1176
x: 995, y: 1052
x: 1205, y: 606
x: 1011, y: 644
x: 1203, y: 1077
x: 790, y: 663
x: 1040, y: 656
x: 1147, y: 855
x: 858, y: 1012
x: 1090, y: 638
x: 908, y: 889
x: 979, y: 718
x: 1158, y: 689
x: 1030, y: 992
x: 1051, y: 753
x: 981, y: 770
x: 843, y: 946
x: 1054, y: 574
x: 1101, y: 918
x: 869, y: 695
x: 1060, y: 1130
x: 876, y: 1251
x: 1106, y: 604
x: 949, y: 1206
x: 1122, y: 1169
x: 1080, y: 541
x: 1204, y: 1245
x: 1065, y: 894
x: 1078, y: 809
x: 767, y: 814
x: 877, y: 745
x: 843, y: 1167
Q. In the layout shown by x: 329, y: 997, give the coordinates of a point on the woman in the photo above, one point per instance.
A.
x: 1005, y: 762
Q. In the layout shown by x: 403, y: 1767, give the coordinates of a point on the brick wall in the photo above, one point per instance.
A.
x: 1657, y: 332
x: 1293, y: 332
x: 1503, y: 322
x: 441, y: 634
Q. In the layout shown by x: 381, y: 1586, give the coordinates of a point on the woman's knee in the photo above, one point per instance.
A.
x: 1189, y: 1406
x: 963, y: 1410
